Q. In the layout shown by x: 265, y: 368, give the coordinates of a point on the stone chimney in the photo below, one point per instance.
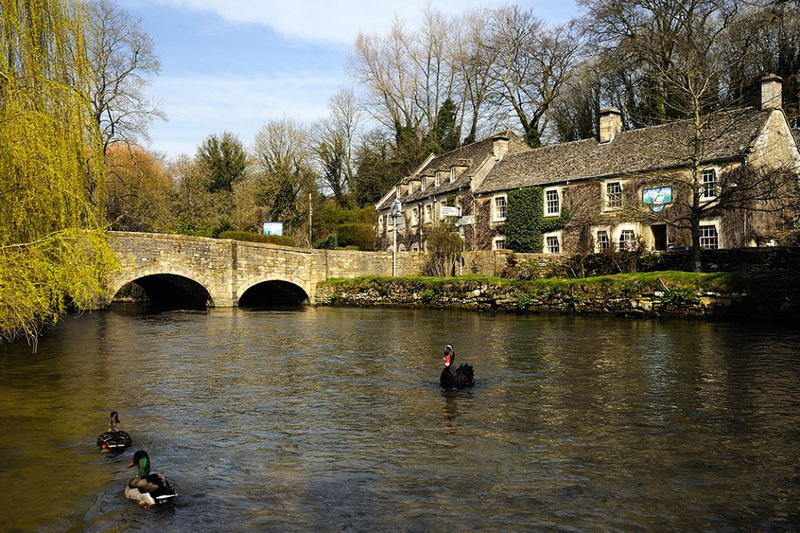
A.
x: 610, y: 124
x: 500, y: 145
x: 771, y: 89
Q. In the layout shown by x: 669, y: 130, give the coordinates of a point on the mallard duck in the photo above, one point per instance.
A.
x: 113, y: 438
x: 146, y: 488
x: 451, y: 377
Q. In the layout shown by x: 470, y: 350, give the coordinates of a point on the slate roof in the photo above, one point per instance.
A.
x: 472, y: 156
x: 730, y: 135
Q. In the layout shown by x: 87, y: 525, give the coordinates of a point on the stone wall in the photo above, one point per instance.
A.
x: 615, y: 299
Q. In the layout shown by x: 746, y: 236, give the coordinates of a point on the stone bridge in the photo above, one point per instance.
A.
x: 224, y: 273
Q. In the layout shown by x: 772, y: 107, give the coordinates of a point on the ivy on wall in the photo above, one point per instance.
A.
x: 525, y: 221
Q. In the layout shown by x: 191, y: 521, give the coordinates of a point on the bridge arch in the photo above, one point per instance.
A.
x: 272, y: 291
x: 164, y: 288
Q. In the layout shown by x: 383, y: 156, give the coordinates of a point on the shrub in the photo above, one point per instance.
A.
x: 359, y: 235
x: 251, y: 236
x: 444, y: 251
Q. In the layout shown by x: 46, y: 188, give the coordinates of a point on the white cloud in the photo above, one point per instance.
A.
x: 326, y: 20
x: 200, y: 105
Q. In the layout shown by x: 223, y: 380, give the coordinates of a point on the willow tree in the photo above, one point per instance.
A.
x: 53, y: 251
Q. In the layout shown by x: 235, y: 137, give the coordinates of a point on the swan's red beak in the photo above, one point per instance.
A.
x: 447, y: 359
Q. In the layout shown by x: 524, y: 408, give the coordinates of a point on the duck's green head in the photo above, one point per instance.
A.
x: 143, y: 460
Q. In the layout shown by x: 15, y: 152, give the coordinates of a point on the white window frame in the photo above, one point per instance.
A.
x: 715, y: 222
x: 616, y: 235
x: 559, y: 242
x: 452, y: 177
x: 497, y: 240
x: 624, y: 245
x: 495, y: 216
x: 427, y: 216
x: 548, y: 213
x: 597, y: 229
x: 715, y: 172
x: 606, y: 198
x: 422, y: 183
x: 414, y: 216
x: 436, y: 180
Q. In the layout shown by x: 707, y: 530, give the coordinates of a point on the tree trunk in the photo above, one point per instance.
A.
x: 697, y: 263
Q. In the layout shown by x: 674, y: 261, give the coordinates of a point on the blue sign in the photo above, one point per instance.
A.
x: 657, y: 197
x: 272, y: 228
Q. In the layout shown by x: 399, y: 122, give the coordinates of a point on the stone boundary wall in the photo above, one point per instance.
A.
x: 486, y: 296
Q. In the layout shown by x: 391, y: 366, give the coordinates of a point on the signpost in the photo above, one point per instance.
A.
x: 395, y: 211
x: 450, y: 211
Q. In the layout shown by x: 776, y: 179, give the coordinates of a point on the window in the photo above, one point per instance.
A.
x: 499, y: 243
x: 552, y: 203
x: 602, y: 242
x: 414, y: 215
x: 613, y: 195
x: 422, y: 183
x: 709, y: 237
x: 552, y: 245
x: 709, y: 185
x: 428, y: 214
x: 380, y: 224
x: 627, y: 240
x: 436, y: 180
x: 453, y: 174
x: 499, y: 208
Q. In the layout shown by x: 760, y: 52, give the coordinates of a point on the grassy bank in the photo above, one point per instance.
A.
x: 651, y: 293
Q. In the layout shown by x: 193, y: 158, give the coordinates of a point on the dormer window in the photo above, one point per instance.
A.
x: 453, y: 175
x: 422, y: 184
x: 436, y: 181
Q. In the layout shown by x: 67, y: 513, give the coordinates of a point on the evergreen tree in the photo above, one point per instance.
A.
x: 224, y: 159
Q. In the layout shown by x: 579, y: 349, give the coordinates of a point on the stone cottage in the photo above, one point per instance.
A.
x: 626, y: 190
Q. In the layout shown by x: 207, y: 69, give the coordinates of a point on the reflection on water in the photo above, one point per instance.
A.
x: 333, y: 419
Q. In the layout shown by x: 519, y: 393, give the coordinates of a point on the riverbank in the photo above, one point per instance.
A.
x: 767, y: 295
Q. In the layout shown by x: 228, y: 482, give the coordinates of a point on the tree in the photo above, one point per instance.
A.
x: 531, y: 65
x: 224, y: 160
x: 53, y: 249
x: 284, y: 175
x: 334, y: 145
x: 139, y: 190
x: 122, y: 58
x: 198, y: 210
x: 445, y: 134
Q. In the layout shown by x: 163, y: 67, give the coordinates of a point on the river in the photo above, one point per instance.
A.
x: 332, y: 419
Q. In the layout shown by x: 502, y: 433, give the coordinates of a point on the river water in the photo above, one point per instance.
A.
x: 332, y: 419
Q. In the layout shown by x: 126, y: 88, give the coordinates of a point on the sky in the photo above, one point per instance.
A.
x: 233, y: 65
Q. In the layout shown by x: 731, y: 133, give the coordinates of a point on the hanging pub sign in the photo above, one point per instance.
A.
x: 657, y: 197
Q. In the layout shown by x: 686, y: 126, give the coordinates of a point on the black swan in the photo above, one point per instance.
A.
x: 452, y: 377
